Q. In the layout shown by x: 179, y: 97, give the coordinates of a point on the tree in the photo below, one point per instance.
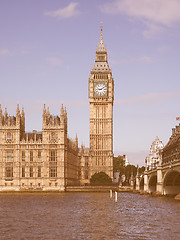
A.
x: 100, y: 179
x: 118, y: 163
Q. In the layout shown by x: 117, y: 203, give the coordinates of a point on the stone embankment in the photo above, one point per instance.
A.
x: 156, y: 194
x: 97, y: 189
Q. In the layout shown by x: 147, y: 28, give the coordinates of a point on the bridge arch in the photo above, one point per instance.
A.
x: 141, y: 185
x: 171, y: 182
x: 152, y: 183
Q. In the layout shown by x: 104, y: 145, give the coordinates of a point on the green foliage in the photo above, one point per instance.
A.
x: 141, y: 170
x: 118, y: 163
x: 100, y: 179
x: 128, y: 171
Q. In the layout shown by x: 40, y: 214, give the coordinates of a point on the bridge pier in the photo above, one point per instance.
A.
x: 146, y: 182
x: 137, y: 183
x: 159, y: 185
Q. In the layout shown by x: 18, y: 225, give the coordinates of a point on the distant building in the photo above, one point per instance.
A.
x: 171, y: 151
x: 155, y: 154
x: 126, y: 161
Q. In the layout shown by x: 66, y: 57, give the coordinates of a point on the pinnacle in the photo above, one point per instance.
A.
x: 101, y: 47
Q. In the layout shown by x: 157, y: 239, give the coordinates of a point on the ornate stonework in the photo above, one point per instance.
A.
x: 154, y: 157
x: 101, y: 98
x: 171, y: 151
x: 46, y: 160
x: 49, y: 160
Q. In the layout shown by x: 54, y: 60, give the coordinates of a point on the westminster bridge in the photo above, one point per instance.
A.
x: 163, y: 179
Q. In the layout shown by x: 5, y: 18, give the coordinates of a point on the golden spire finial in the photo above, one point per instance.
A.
x: 101, y: 27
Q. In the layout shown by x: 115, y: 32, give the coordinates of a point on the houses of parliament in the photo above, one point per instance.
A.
x: 49, y: 160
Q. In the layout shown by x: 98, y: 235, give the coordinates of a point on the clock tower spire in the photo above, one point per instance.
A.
x: 101, y: 97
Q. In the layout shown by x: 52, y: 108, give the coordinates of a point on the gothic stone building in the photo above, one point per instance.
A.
x: 46, y: 160
x: 49, y: 160
x: 155, y: 153
x: 99, y: 157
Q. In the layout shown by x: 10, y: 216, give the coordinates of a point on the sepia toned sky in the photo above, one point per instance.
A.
x: 47, y: 49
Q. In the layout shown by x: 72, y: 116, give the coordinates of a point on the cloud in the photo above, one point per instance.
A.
x: 148, y: 98
x: 152, y: 30
x: 54, y: 61
x: 5, y: 52
x: 155, y: 14
x: 63, y: 13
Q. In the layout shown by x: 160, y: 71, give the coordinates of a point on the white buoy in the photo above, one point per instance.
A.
x: 110, y: 193
x: 115, y: 196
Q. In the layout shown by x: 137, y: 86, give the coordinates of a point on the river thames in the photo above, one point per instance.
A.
x: 88, y: 216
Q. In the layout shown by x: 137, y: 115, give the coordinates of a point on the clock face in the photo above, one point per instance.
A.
x: 100, y: 89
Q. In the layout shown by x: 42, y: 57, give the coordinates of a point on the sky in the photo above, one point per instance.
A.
x: 47, y: 50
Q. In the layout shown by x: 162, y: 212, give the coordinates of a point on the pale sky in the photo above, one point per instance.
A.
x: 47, y: 49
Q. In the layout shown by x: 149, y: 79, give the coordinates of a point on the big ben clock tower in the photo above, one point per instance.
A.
x: 101, y: 97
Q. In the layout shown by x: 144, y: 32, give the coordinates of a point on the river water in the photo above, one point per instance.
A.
x: 88, y: 216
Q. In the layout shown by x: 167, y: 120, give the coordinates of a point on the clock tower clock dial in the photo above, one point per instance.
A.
x: 100, y: 89
x: 101, y: 98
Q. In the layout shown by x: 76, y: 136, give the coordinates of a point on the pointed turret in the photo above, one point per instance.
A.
x: 22, y: 112
x: 17, y: 110
x: 62, y: 110
x: 82, y: 148
x: 5, y: 113
x: 65, y: 112
x: 76, y: 140
x: 22, y: 123
x: 101, y: 63
x: 48, y: 113
x: 44, y: 110
x: 17, y: 116
x: 101, y: 48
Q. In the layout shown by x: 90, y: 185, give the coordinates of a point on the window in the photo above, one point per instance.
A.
x: 23, y: 156
x: 39, y: 184
x: 53, y: 156
x: 31, y: 156
x: 9, y: 172
x: 39, y: 171
x: 53, y: 172
x: 23, y: 171
x: 86, y: 168
x: 31, y: 172
x: 101, y: 58
x: 9, y: 137
x: 9, y: 156
x: 53, y: 136
x: 39, y: 155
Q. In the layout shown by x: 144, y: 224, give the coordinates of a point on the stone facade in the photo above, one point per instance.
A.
x: 171, y: 151
x: 46, y: 160
x: 154, y: 157
x: 99, y: 157
x: 162, y: 177
x: 49, y: 160
x: 101, y: 98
